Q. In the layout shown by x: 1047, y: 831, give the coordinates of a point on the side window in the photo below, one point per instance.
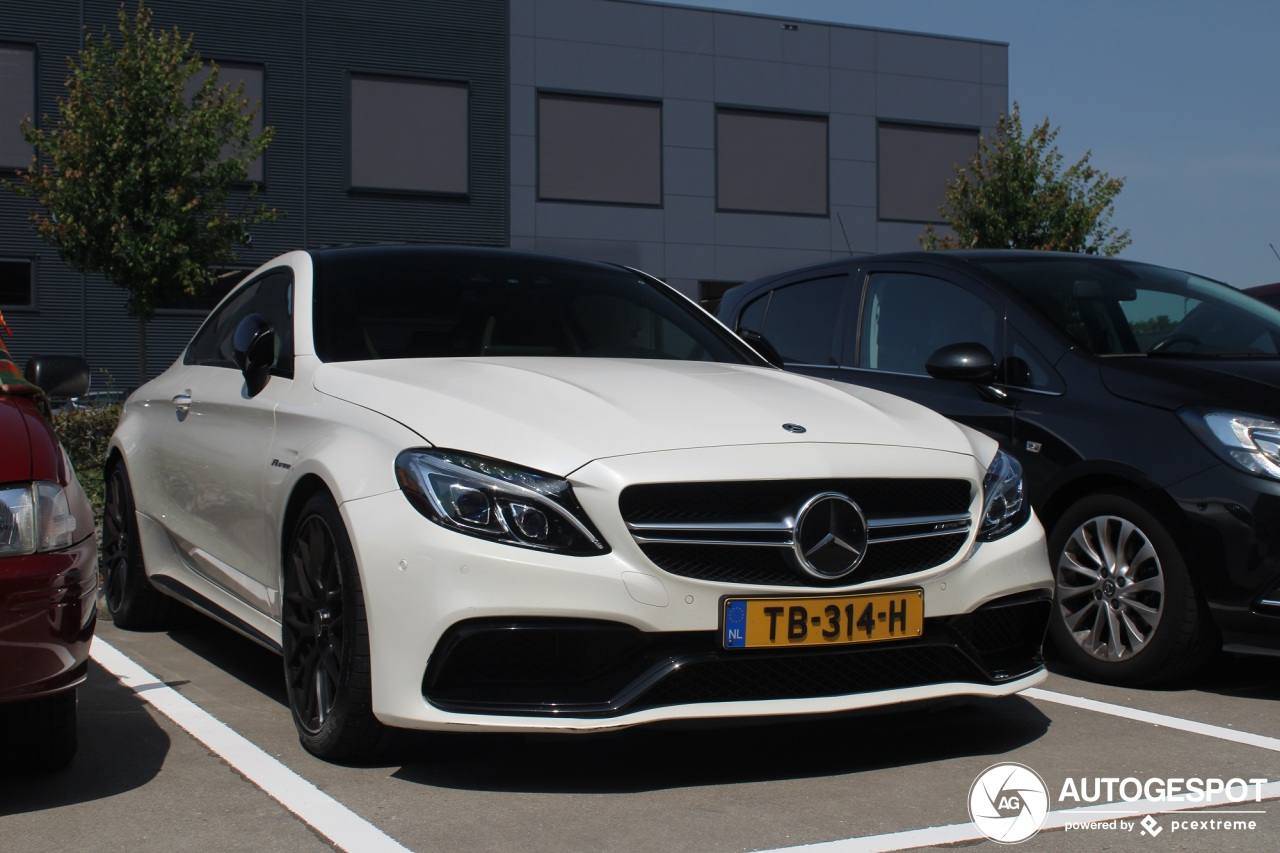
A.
x: 907, y: 317
x: 270, y: 295
x: 800, y: 319
x: 1024, y: 367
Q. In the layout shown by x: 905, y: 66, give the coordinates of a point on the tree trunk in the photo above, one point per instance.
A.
x: 142, y: 350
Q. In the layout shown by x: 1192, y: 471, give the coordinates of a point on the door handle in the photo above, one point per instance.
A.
x: 182, y: 402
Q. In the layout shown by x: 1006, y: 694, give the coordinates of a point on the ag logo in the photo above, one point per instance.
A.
x: 1008, y: 803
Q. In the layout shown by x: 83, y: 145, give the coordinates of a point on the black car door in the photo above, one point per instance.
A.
x: 802, y: 319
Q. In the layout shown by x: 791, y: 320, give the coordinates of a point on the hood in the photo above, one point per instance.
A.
x: 557, y: 414
x: 1240, y: 384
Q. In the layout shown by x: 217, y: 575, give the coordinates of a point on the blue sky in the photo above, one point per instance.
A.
x: 1181, y: 98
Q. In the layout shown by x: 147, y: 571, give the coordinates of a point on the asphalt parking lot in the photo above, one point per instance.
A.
x: 235, y: 777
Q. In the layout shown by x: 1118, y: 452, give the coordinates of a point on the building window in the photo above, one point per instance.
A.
x: 599, y: 150
x: 17, y: 282
x: 915, y: 165
x: 409, y: 135
x: 233, y: 74
x: 17, y: 102
x: 771, y: 162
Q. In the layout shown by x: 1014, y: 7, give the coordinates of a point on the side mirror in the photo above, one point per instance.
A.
x: 59, y: 375
x: 762, y: 346
x: 254, y: 349
x: 966, y: 362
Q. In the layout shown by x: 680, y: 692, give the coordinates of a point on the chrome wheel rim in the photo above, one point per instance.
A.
x: 314, y: 624
x: 115, y: 544
x: 1110, y: 588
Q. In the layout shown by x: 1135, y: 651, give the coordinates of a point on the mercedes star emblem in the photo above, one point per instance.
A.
x: 831, y: 536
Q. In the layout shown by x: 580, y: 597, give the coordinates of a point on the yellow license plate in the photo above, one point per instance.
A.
x: 753, y: 623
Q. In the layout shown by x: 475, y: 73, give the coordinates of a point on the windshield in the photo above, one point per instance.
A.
x: 1112, y: 307
x: 425, y: 304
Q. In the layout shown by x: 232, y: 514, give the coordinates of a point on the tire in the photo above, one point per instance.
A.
x: 326, y: 639
x: 134, y: 604
x: 1125, y: 608
x: 40, y: 734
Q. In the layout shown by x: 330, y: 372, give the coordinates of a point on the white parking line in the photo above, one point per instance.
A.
x: 346, y: 829
x: 1220, y: 732
x: 959, y: 832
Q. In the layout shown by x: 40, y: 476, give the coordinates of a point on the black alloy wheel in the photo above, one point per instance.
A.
x: 134, y: 604
x: 326, y: 640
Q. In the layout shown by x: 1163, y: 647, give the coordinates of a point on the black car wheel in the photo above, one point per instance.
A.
x: 326, y: 639
x: 134, y: 604
x: 1125, y: 609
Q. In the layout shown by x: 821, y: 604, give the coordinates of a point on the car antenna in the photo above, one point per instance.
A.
x: 1273, y: 251
x: 840, y: 219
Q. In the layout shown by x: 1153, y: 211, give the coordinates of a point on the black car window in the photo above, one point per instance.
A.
x: 271, y: 295
x: 800, y: 319
x: 907, y: 317
x: 1025, y: 367
x: 1113, y: 307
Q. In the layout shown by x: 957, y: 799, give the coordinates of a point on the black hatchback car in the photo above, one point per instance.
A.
x: 1142, y: 402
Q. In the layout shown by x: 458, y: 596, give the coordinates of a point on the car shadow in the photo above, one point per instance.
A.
x: 662, y: 757
x: 1243, y: 676
x: 121, y: 748
x: 233, y: 653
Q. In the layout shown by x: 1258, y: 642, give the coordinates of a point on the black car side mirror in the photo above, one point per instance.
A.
x: 964, y: 362
x: 58, y: 375
x: 254, y: 349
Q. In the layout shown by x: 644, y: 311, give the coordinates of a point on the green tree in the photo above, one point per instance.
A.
x: 134, y: 177
x: 1014, y: 194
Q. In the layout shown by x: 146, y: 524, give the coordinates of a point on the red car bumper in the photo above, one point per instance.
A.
x: 47, y: 616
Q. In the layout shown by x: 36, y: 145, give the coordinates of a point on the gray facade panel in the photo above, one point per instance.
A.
x: 898, y: 236
x: 690, y: 172
x: 925, y: 56
x: 593, y: 22
x: 929, y: 101
x: 853, y: 92
x: 853, y: 137
x: 688, y: 30
x: 779, y: 232
x: 690, y: 219
x: 688, y: 75
x: 688, y: 124
x: 750, y: 83
x: 524, y: 161
x: 523, y: 61
x: 599, y: 222
x: 853, y: 229
x: 693, y: 260
x: 853, y: 48
x: 995, y: 64
x: 853, y: 182
x: 647, y: 256
x: 523, y: 110
x: 596, y: 68
x: 743, y: 263
x: 522, y: 16
x: 772, y: 39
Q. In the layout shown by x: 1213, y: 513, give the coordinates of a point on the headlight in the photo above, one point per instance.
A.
x: 498, y: 501
x: 1004, y: 504
x: 35, y: 518
x: 1249, y: 442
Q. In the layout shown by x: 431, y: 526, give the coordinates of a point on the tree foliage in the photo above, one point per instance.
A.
x: 1014, y: 194
x: 133, y: 179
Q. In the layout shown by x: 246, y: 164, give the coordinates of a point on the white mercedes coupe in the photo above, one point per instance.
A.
x: 483, y: 490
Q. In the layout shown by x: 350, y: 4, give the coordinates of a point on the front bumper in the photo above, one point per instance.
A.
x: 47, y: 619
x: 614, y: 641
x: 1233, y: 542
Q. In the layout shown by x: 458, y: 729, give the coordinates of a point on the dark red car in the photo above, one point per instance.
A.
x: 48, y: 571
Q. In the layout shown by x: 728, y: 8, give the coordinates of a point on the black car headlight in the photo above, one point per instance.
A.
x: 34, y: 518
x: 1004, y: 502
x: 497, y: 501
x: 1248, y: 442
